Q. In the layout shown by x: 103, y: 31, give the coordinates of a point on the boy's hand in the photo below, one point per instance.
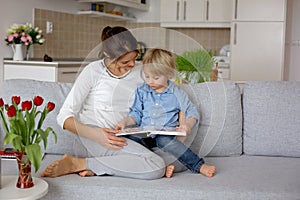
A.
x: 185, y: 128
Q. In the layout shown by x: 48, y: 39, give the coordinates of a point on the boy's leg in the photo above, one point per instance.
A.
x: 186, y: 156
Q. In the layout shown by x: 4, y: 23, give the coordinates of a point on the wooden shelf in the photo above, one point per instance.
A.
x: 105, y: 15
x: 128, y: 4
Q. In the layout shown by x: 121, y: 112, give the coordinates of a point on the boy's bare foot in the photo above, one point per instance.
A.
x: 207, y: 170
x: 86, y: 173
x: 66, y: 165
x: 169, y: 171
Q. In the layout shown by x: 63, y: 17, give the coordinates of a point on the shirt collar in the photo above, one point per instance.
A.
x: 169, y: 89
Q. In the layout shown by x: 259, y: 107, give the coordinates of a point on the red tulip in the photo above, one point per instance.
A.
x: 11, y: 112
x: 1, y: 102
x: 16, y: 99
x: 26, y: 105
x: 50, y: 106
x: 38, y: 100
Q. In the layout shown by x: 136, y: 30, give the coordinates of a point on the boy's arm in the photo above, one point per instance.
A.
x: 185, y: 125
x: 127, y: 121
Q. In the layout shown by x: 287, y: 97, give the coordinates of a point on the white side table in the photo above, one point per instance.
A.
x: 10, y: 191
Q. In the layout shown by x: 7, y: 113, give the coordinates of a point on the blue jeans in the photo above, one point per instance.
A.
x: 174, y: 147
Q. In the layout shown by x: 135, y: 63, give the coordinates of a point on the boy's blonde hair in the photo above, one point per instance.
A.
x: 160, y: 62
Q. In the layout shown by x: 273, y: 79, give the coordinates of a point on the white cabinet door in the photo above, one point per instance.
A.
x: 169, y: 11
x: 257, y: 51
x: 196, y: 13
x: 194, y: 10
x: 260, y: 10
x: 219, y: 10
x: 182, y: 10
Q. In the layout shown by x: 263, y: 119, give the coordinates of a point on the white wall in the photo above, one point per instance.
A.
x: 21, y: 11
x: 292, y: 56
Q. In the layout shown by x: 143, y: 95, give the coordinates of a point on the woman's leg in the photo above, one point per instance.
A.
x: 133, y: 161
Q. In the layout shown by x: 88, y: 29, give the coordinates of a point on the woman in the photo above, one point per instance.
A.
x: 100, y: 97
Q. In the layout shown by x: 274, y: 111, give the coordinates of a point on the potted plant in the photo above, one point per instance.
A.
x: 22, y: 124
x: 194, y: 66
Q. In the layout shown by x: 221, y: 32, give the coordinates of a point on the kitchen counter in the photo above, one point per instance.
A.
x: 60, y: 70
x: 64, y: 62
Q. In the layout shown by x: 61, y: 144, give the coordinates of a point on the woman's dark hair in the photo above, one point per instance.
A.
x: 116, y: 42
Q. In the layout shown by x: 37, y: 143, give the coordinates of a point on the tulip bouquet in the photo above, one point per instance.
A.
x: 23, y: 129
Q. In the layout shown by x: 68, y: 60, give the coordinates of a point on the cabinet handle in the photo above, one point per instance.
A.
x: 235, y: 34
x: 235, y: 9
x: 177, y: 11
x: 71, y: 72
x: 184, y: 10
x: 207, y: 9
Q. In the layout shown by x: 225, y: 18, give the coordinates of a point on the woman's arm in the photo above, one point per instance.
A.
x: 103, y: 136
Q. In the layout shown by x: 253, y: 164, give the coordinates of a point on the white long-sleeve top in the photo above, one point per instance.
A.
x: 99, y: 99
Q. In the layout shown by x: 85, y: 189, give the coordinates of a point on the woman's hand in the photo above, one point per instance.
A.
x: 103, y: 136
x: 109, y: 140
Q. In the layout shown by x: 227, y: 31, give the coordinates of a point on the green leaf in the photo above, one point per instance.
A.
x: 44, y: 135
x: 9, y: 137
x: 3, y: 120
x: 34, y: 153
x: 15, y: 140
x: 199, y: 61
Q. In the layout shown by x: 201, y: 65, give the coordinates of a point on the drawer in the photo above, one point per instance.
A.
x: 223, y: 74
x: 67, y: 74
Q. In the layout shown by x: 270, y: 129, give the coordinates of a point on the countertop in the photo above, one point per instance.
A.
x: 61, y: 62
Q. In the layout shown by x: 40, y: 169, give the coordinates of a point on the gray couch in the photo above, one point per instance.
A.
x: 252, y: 137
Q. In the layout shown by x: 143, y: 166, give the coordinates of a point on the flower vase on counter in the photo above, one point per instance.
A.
x: 27, y: 53
x: 20, y: 36
x: 18, y: 53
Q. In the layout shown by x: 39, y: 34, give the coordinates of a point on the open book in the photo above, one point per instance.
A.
x: 147, y: 131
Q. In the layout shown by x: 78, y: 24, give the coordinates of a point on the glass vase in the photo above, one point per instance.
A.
x: 24, y: 166
x: 27, y: 54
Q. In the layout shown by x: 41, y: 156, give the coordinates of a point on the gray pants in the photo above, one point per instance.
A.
x: 133, y: 161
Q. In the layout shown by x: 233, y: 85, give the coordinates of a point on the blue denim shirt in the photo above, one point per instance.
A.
x: 161, y: 109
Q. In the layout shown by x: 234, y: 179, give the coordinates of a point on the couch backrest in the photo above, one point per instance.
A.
x: 219, y: 103
x: 220, y: 129
x: 271, y: 112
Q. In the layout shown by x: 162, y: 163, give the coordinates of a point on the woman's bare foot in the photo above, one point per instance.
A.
x: 169, y: 171
x: 66, y: 165
x: 207, y: 170
x: 86, y: 173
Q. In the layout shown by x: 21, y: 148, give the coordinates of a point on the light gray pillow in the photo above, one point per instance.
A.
x: 220, y: 127
x: 50, y: 91
x: 272, y: 118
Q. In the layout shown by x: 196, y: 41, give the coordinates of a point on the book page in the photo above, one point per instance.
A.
x: 150, y: 130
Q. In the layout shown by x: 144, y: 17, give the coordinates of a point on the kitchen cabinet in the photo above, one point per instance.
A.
x: 110, y: 4
x: 196, y: 13
x: 42, y: 71
x: 259, y: 10
x: 258, y: 40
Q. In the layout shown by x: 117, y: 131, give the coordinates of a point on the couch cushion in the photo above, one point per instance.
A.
x: 242, y: 177
x: 220, y: 128
x: 272, y: 118
x: 50, y: 91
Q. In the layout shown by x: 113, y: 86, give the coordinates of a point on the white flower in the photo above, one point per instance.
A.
x: 41, y: 41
